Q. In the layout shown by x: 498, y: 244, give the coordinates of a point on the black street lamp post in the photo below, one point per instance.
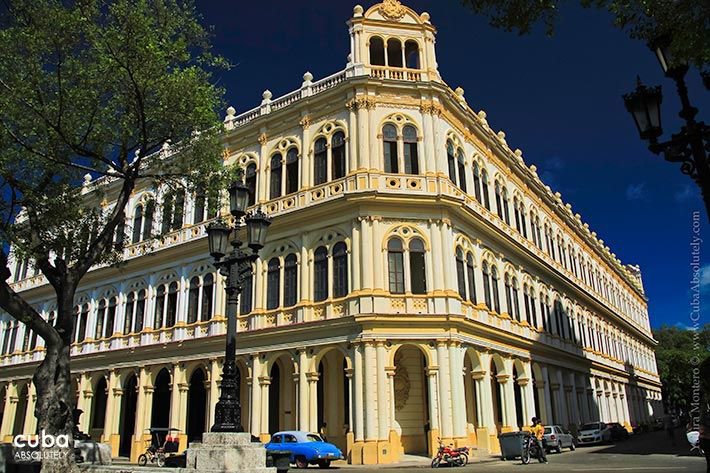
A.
x: 691, y: 144
x: 235, y: 265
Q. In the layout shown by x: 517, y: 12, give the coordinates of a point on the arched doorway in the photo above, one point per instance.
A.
x: 496, y: 392
x: 18, y: 426
x: 282, y: 395
x: 196, y: 406
x: 332, y: 396
x: 129, y: 402
x: 411, y: 400
x: 518, y: 398
x: 160, y: 415
x: 274, y: 398
x: 98, y: 409
x: 536, y: 395
x: 473, y: 370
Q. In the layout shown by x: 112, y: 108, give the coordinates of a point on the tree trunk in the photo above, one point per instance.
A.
x: 56, y: 398
x: 54, y: 408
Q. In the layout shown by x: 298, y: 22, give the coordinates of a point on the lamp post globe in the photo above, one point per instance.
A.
x: 644, y: 104
x: 238, y: 199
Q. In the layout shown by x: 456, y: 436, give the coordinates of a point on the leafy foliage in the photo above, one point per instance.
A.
x: 677, y: 353
x: 97, y: 87
x: 686, y: 22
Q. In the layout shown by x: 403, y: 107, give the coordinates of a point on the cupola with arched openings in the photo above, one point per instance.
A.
x: 392, y: 41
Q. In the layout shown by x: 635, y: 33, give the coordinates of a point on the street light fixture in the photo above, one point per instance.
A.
x: 690, y: 145
x: 235, y: 265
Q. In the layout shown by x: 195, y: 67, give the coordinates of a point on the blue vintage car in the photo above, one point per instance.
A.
x: 305, y: 447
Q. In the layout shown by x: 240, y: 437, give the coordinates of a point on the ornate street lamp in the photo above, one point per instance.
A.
x: 235, y: 265
x: 691, y: 144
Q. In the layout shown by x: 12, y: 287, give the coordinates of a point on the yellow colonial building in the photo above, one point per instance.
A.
x: 419, y: 281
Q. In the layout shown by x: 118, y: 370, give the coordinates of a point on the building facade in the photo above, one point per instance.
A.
x: 419, y: 281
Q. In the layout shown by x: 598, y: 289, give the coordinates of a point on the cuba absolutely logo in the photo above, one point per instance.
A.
x: 44, y: 440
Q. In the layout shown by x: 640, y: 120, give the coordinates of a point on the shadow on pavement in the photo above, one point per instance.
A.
x: 652, y: 443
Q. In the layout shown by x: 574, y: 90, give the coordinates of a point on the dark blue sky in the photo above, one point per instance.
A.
x: 558, y: 99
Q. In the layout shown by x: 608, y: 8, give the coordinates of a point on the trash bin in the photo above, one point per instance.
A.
x: 511, y: 445
x: 278, y: 459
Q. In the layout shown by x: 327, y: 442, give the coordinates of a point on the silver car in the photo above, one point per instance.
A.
x: 557, y: 438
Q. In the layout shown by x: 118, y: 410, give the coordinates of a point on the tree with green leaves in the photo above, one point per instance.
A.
x: 97, y: 98
x: 678, y: 353
x: 685, y: 22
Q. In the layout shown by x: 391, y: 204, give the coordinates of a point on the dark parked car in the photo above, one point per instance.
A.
x: 618, y: 432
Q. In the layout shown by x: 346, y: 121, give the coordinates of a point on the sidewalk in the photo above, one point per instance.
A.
x: 415, y: 461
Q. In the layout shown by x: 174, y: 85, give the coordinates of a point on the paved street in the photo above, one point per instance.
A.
x: 645, y: 453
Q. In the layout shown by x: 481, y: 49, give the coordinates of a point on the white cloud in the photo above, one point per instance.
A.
x: 687, y: 193
x: 705, y: 277
x: 636, y: 191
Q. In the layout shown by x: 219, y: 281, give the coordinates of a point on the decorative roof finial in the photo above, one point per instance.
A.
x: 392, y: 10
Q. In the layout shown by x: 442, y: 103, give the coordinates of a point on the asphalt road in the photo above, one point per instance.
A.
x: 650, y: 452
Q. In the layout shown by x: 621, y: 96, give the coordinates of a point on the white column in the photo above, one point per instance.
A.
x: 382, y: 391
x: 371, y: 420
x: 444, y: 392
x: 358, y: 394
x: 458, y: 395
x: 255, y: 415
x: 303, y: 403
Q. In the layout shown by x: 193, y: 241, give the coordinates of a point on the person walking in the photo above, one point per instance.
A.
x: 538, y: 430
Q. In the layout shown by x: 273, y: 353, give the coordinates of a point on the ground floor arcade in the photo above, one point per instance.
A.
x: 376, y: 398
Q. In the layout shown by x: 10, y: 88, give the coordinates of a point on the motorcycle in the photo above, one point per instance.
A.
x: 531, y: 450
x: 452, y: 456
x: 694, y: 440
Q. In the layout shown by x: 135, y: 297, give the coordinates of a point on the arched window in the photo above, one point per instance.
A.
x: 417, y: 266
x: 471, y: 275
x: 484, y: 188
x: 290, y: 280
x: 461, y: 273
x: 139, y: 312
x: 411, y: 54
x: 250, y: 181
x: 128, y: 318
x: 461, y: 169
x: 13, y: 336
x: 499, y: 199
x: 337, y: 149
x: 395, y: 259
x: 526, y: 304
x: 394, y: 53
x: 411, y: 155
x: 506, y: 205
x: 273, y: 290
x: 245, y: 298
x: 137, y: 224
x: 193, y: 299
x: 148, y: 220
x: 292, y: 171
x: 275, y: 181
x: 477, y: 182
x: 320, y: 274
x: 514, y: 295
x: 207, y: 294
x: 100, y: 315
x: 494, y: 285
x: 487, y: 295
x: 320, y: 161
x: 389, y: 139
x: 159, y: 307
x: 110, y: 317
x: 205, y: 206
x: 508, y: 294
x: 451, y: 159
x: 377, y: 51
x: 119, y: 237
x: 340, y: 270
x: 520, y: 217
x: 171, y: 309
x: 83, y: 316
x: 179, y: 210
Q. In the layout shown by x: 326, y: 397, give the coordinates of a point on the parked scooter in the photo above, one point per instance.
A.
x: 452, y: 456
x: 694, y: 440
